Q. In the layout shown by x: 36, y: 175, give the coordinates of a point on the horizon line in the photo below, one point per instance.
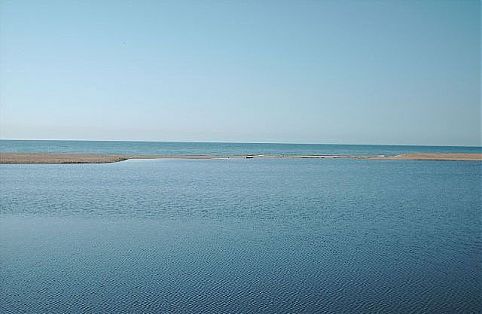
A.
x: 229, y: 142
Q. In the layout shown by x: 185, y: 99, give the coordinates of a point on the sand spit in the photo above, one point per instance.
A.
x: 433, y: 156
x: 58, y: 158
x: 46, y: 158
x: 77, y: 158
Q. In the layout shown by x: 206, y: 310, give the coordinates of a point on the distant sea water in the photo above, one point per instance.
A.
x: 219, y: 149
x: 240, y: 235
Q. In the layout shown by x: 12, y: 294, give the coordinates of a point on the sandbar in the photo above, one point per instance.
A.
x: 434, y: 156
x: 74, y: 158
x: 47, y: 158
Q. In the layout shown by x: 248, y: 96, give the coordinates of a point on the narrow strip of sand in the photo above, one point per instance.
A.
x: 47, y: 158
x: 434, y: 156
x: 78, y: 158
x: 70, y: 158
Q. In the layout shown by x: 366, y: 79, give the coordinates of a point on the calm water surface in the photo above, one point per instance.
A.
x: 274, y: 236
x: 219, y: 149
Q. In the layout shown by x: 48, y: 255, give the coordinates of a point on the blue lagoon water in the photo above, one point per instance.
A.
x: 237, y: 235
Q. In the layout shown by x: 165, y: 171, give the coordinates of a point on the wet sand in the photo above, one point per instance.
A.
x: 58, y: 158
x: 46, y: 158
x: 433, y: 156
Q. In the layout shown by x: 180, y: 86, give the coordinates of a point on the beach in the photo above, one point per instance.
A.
x: 78, y: 158
x: 434, y: 156
x: 46, y: 158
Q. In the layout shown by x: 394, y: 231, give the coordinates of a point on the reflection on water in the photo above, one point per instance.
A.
x: 241, y: 235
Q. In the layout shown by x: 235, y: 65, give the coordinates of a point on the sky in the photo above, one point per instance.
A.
x: 348, y: 72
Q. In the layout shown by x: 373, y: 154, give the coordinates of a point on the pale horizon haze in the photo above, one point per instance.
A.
x: 338, y: 72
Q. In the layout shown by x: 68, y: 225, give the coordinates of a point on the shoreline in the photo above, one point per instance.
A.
x: 79, y: 158
x: 58, y: 158
x: 434, y: 156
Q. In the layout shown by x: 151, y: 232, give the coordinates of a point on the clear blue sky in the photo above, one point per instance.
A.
x: 383, y: 72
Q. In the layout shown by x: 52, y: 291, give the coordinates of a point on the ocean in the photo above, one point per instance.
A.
x: 219, y: 149
x: 240, y: 235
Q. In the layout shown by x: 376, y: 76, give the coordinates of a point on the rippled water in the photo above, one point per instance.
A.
x: 276, y: 236
x: 220, y: 149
